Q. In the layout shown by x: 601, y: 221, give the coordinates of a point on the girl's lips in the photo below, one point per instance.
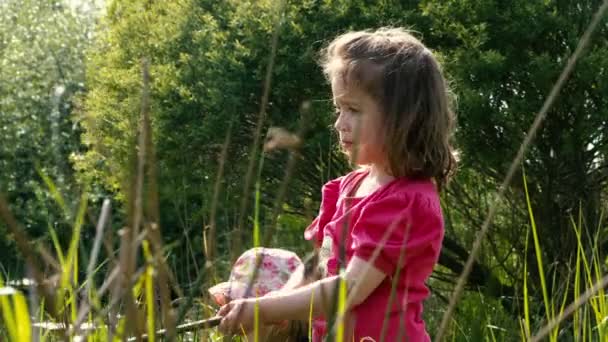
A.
x: 346, y: 144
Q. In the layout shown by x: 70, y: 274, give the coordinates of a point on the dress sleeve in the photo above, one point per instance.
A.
x: 410, y: 220
x: 329, y: 197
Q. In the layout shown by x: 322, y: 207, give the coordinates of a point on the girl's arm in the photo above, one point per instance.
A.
x: 295, y: 304
x: 305, y: 274
x: 361, y: 279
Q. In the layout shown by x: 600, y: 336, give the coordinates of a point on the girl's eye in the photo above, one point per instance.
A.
x: 352, y: 110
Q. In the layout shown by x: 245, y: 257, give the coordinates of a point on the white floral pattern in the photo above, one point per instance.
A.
x: 276, y: 267
x: 325, y: 254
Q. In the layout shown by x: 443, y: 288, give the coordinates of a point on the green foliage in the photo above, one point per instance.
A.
x: 477, y: 318
x: 503, y: 59
x: 42, y: 46
x: 208, y: 61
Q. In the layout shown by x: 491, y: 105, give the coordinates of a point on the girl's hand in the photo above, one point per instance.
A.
x: 237, y: 316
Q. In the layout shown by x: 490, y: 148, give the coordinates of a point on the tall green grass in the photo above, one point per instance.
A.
x: 587, y: 324
x: 15, y: 314
x: 549, y: 307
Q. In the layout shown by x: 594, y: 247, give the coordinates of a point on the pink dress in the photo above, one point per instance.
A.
x: 410, y: 211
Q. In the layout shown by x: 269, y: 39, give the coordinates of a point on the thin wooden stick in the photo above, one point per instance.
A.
x: 192, y: 326
x: 152, y: 209
x: 24, y: 245
x: 238, y: 236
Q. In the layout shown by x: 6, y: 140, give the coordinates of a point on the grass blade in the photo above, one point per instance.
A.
x: 341, y: 307
x: 22, y: 317
x: 312, y: 298
x: 526, y: 324
x: 57, y: 246
x: 537, y: 249
x: 7, y: 311
x: 55, y: 193
x: 256, y: 243
x: 149, y: 292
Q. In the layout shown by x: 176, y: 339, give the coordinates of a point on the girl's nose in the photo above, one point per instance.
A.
x: 340, y: 125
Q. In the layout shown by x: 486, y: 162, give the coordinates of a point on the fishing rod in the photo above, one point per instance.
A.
x: 192, y: 326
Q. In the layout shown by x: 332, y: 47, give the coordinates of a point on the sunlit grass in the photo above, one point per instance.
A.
x: 256, y: 243
x: 583, y: 327
x: 589, y: 322
x: 15, y: 313
x: 149, y: 281
x: 549, y: 310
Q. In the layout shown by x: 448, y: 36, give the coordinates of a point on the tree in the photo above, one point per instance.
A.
x: 208, y: 65
x: 42, y: 47
x: 208, y: 62
x: 504, y: 59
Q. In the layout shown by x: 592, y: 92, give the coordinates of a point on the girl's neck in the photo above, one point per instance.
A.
x: 379, y: 174
x: 376, y: 178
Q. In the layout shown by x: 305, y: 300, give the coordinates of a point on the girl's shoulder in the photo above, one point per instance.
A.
x: 344, y: 183
x: 405, y: 192
x: 408, y: 187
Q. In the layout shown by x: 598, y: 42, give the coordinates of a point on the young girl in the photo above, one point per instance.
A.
x: 382, y: 222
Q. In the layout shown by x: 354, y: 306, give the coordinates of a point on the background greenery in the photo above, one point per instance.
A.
x: 70, y: 101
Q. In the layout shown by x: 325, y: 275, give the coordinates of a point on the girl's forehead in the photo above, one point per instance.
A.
x: 346, y: 91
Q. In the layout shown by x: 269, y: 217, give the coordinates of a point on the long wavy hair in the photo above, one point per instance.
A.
x: 406, y: 80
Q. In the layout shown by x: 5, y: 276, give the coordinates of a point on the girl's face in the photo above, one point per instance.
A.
x: 359, y: 124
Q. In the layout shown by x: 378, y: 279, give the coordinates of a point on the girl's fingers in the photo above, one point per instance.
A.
x: 226, y: 326
x: 224, y: 310
x: 229, y: 323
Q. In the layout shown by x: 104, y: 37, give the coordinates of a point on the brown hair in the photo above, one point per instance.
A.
x: 399, y: 72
